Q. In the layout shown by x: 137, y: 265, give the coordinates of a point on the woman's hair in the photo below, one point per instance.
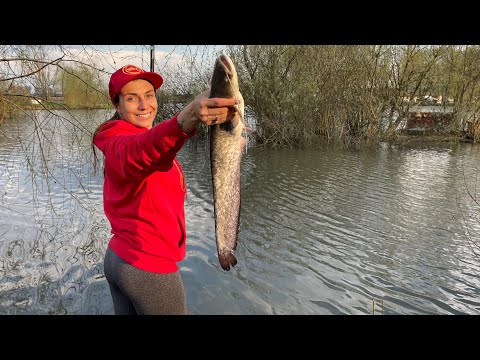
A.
x: 116, y: 116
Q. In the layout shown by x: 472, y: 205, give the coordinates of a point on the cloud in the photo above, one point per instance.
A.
x: 177, y: 63
x: 112, y: 57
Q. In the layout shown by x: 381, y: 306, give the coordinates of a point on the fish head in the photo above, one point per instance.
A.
x: 224, y: 82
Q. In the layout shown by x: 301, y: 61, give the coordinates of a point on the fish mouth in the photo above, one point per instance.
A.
x: 227, y: 65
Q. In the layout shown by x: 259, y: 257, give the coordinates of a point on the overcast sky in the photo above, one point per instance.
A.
x: 171, y: 61
x: 111, y: 57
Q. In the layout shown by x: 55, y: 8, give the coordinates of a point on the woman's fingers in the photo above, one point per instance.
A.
x: 217, y: 110
x: 219, y: 102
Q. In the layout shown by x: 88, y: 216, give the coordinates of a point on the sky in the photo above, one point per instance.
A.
x: 112, y: 57
x: 173, y: 62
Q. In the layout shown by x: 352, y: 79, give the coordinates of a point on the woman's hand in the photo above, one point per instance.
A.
x: 207, y: 110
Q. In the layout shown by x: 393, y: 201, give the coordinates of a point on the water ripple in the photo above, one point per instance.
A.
x: 324, y: 231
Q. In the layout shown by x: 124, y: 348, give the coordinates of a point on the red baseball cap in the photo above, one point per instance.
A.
x: 128, y: 73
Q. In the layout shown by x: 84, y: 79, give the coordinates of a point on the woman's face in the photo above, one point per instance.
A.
x: 137, y: 103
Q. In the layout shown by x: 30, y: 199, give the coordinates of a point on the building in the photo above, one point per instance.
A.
x: 429, y: 118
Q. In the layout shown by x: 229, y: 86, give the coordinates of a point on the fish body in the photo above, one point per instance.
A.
x: 227, y: 145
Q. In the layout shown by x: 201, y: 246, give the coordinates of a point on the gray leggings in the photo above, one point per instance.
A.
x: 138, y: 292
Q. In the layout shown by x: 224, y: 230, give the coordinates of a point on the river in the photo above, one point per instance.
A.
x: 392, y: 230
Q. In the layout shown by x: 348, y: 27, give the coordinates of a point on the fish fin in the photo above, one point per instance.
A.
x: 227, y: 260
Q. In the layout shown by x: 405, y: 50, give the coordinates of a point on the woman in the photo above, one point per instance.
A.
x: 144, y: 191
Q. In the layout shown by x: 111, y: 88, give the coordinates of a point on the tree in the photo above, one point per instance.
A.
x: 83, y: 88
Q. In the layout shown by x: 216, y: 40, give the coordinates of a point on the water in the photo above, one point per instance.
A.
x: 322, y: 231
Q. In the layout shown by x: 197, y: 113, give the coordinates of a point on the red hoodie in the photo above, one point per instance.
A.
x: 144, y: 193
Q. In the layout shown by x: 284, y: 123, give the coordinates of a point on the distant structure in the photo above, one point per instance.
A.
x: 429, y: 118
x: 428, y: 113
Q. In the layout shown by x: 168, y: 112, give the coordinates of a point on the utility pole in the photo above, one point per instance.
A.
x: 152, y: 57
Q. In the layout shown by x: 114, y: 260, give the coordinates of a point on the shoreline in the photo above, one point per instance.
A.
x: 405, y: 139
